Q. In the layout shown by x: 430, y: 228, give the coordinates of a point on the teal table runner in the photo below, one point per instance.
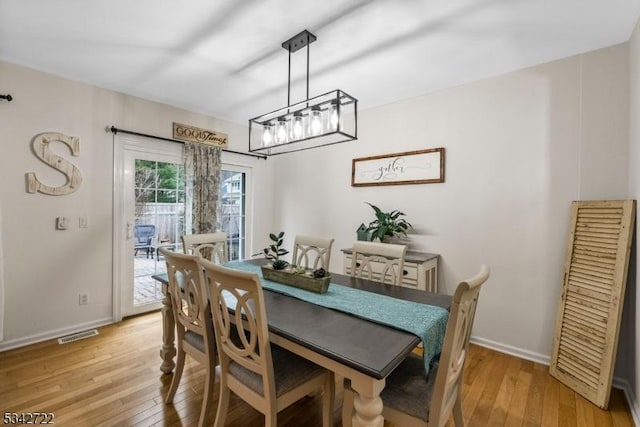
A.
x: 427, y: 322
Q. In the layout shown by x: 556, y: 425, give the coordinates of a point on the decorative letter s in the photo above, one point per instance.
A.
x: 41, y: 149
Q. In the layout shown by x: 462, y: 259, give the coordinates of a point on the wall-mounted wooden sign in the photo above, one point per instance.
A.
x: 410, y: 167
x: 203, y: 136
x: 40, y: 146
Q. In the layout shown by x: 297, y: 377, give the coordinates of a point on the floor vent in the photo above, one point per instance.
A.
x: 78, y: 336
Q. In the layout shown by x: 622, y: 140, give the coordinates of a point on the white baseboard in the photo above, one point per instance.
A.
x: 57, y: 333
x: 631, y: 398
x: 513, y: 351
x: 543, y: 359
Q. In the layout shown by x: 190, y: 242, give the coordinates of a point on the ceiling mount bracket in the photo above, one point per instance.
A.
x: 297, y: 42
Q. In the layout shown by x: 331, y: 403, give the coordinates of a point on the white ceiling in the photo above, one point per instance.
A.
x: 223, y: 57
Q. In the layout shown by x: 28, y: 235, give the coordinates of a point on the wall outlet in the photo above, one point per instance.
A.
x: 83, y: 221
x: 83, y: 299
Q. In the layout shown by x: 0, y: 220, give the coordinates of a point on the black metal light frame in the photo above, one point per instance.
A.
x: 344, y: 107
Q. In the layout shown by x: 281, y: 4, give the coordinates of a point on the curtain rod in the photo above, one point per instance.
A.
x: 115, y: 130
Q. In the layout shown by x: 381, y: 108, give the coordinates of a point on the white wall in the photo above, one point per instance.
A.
x: 45, y: 269
x: 519, y: 148
x: 630, y: 345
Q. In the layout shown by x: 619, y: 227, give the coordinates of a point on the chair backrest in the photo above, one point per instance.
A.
x: 382, y: 262
x: 144, y: 233
x: 189, y: 298
x: 448, y: 383
x: 210, y: 246
x: 312, y: 252
x: 242, y: 293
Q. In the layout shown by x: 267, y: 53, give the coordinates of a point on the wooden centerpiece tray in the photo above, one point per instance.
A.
x: 299, y: 280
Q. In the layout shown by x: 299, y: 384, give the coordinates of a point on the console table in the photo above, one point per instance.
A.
x: 420, y: 269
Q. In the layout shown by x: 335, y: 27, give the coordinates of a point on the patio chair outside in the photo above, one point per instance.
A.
x: 144, y: 234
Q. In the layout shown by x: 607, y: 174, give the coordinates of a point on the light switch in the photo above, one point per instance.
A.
x: 83, y: 222
x: 62, y: 223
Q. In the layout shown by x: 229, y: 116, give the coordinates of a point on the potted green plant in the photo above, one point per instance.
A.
x: 280, y: 271
x: 274, y: 251
x: 387, y: 224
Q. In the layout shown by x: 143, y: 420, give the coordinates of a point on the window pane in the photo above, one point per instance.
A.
x: 167, y: 196
x: 231, y: 211
x: 159, y: 193
x: 232, y: 226
x: 168, y: 175
x: 145, y: 195
x: 146, y: 174
x: 235, y: 249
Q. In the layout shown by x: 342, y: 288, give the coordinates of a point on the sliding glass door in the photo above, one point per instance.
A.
x: 232, y: 209
x: 158, y: 222
x: 153, y: 206
x: 149, y: 214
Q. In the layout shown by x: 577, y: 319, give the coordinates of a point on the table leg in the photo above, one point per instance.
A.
x: 168, y: 350
x: 367, y: 403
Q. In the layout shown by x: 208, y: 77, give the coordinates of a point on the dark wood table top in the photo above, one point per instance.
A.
x: 368, y: 347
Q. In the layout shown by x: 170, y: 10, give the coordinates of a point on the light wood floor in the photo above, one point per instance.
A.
x: 114, y: 379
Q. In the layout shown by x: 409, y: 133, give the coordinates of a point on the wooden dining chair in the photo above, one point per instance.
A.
x: 411, y: 398
x: 382, y: 262
x: 190, y: 305
x: 211, y: 246
x: 266, y: 376
x: 312, y: 252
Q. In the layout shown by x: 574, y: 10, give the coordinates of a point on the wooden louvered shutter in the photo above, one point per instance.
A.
x: 590, y: 308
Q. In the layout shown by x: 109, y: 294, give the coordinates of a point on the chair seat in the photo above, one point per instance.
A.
x: 289, y: 370
x: 407, y: 390
x: 195, y: 340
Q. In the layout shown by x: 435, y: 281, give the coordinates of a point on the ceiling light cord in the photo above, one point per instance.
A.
x: 307, y: 70
x: 289, y: 81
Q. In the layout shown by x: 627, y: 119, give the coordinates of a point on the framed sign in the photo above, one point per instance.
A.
x: 203, y: 136
x: 410, y: 167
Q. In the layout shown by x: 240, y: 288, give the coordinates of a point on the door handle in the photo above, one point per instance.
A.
x: 129, y: 230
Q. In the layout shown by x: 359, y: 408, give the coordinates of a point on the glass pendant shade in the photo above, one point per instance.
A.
x: 297, y: 129
x: 333, y: 117
x: 315, y: 124
x: 267, y: 137
x: 281, y: 131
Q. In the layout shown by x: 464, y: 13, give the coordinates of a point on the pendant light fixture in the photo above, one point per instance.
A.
x: 315, y: 122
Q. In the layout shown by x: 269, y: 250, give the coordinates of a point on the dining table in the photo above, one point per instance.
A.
x: 357, y: 348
